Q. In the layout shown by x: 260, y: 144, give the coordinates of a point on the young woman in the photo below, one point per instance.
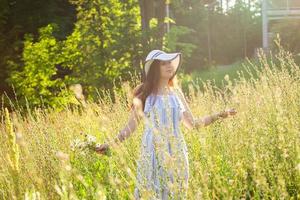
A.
x: 163, y: 167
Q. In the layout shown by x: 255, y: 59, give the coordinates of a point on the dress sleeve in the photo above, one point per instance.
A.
x: 179, y: 97
x: 181, y: 105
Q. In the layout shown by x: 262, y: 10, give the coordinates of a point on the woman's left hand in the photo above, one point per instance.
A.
x: 102, y: 149
x: 227, y: 112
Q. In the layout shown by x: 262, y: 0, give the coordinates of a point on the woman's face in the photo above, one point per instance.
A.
x: 166, y: 69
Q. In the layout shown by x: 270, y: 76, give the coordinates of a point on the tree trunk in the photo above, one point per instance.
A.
x: 153, y: 9
x: 147, y: 12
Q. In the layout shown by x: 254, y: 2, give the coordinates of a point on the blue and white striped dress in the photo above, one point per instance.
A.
x: 162, y: 168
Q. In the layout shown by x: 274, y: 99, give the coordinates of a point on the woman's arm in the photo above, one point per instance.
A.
x: 191, y: 122
x: 130, y: 127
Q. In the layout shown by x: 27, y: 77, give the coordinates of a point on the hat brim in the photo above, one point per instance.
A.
x: 175, y: 59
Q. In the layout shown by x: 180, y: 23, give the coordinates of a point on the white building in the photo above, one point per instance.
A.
x: 277, y: 10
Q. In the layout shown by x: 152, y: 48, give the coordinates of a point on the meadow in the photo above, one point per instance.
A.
x: 253, y: 155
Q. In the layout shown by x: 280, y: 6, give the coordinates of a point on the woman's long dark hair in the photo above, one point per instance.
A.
x: 150, y: 83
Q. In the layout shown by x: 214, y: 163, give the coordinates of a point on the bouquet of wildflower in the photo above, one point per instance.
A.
x: 87, y: 145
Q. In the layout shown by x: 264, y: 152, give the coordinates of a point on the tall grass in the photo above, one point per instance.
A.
x: 253, y: 155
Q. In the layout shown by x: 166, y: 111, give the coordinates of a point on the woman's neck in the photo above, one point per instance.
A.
x: 163, y: 87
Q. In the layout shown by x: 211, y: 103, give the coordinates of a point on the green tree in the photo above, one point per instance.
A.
x: 35, y: 81
x: 109, y: 42
x: 21, y: 17
x: 103, y: 47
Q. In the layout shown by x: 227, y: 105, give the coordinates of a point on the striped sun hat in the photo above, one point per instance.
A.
x: 175, y: 58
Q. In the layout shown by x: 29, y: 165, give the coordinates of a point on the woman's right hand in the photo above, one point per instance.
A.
x: 102, y: 149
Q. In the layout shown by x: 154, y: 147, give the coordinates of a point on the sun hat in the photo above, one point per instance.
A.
x: 175, y: 58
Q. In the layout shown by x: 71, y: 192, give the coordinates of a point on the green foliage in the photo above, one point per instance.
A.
x: 152, y: 38
x: 94, y: 172
x: 108, y: 45
x: 173, y: 43
x: 102, y: 48
x: 35, y: 81
x: 18, y: 18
